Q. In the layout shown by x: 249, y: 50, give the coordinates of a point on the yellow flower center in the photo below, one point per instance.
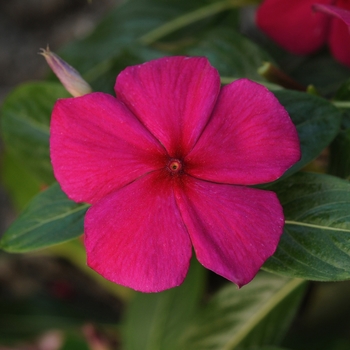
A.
x: 175, y: 166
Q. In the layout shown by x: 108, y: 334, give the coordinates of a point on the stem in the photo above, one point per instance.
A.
x: 276, y: 76
x: 341, y: 104
x: 190, y: 18
x: 172, y: 26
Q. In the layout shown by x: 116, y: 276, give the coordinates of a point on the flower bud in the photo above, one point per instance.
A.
x: 69, y: 77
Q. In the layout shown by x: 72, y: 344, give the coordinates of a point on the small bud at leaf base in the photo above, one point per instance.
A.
x: 69, y: 77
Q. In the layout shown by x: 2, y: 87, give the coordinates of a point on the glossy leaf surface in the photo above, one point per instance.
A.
x: 253, y: 316
x: 129, y: 24
x: 340, y: 155
x: 231, y: 53
x: 160, y: 319
x: 25, y: 124
x: 50, y: 218
x: 317, y: 122
x: 21, y: 185
x: 316, y: 241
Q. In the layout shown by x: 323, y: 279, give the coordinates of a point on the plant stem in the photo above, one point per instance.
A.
x: 191, y: 17
x: 341, y: 104
x: 274, y: 75
x: 170, y: 27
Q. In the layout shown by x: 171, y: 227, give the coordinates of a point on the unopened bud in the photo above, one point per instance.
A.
x: 68, y: 76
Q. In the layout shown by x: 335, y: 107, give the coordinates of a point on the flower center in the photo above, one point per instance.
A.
x: 175, y: 166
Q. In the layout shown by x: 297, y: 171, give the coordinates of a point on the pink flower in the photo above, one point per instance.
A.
x: 165, y: 164
x: 296, y: 27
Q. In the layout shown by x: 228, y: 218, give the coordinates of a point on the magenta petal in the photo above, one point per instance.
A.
x: 233, y: 229
x: 335, y: 11
x: 173, y: 97
x: 136, y: 236
x: 293, y: 25
x: 97, y: 146
x: 339, y: 31
x: 250, y: 138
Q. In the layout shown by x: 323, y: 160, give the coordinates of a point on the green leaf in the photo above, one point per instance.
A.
x: 127, y: 25
x: 339, y: 159
x: 136, y: 24
x: 256, y: 315
x: 343, y: 93
x: 312, y: 71
x: 25, y: 124
x: 102, y: 77
x: 19, y: 183
x: 231, y: 53
x: 118, y: 30
x: 156, y: 321
x: 50, y: 218
x: 317, y: 121
x: 74, y: 341
x: 339, y: 164
x: 316, y: 241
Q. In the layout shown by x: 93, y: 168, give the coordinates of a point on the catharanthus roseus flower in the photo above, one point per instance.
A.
x: 165, y: 166
x: 296, y: 26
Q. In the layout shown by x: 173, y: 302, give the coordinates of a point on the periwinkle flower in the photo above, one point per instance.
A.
x: 166, y: 165
x: 295, y: 25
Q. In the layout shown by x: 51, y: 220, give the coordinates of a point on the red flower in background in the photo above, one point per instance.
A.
x: 165, y: 164
x: 296, y: 26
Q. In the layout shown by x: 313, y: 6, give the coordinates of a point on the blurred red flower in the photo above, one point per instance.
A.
x: 295, y: 25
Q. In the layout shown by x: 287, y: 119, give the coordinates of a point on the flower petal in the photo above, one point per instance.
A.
x: 339, y: 35
x: 342, y: 13
x: 173, y: 97
x: 293, y: 25
x: 250, y: 138
x: 136, y: 236
x: 97, y: 146
x: 233, y: 229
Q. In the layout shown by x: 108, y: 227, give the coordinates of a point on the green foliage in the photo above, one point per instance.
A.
x: 25, y: 120
x: 339, y: 158
x: 331, y: 78
x: 231, y: 53
x: 160, y: 320
x: 132, y: 23
x: 317, y: 121
x: 316, y: 242
x: 254, y: 316
x: 49, y: 219
x: 19, y: 182
x: 340, y: 155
